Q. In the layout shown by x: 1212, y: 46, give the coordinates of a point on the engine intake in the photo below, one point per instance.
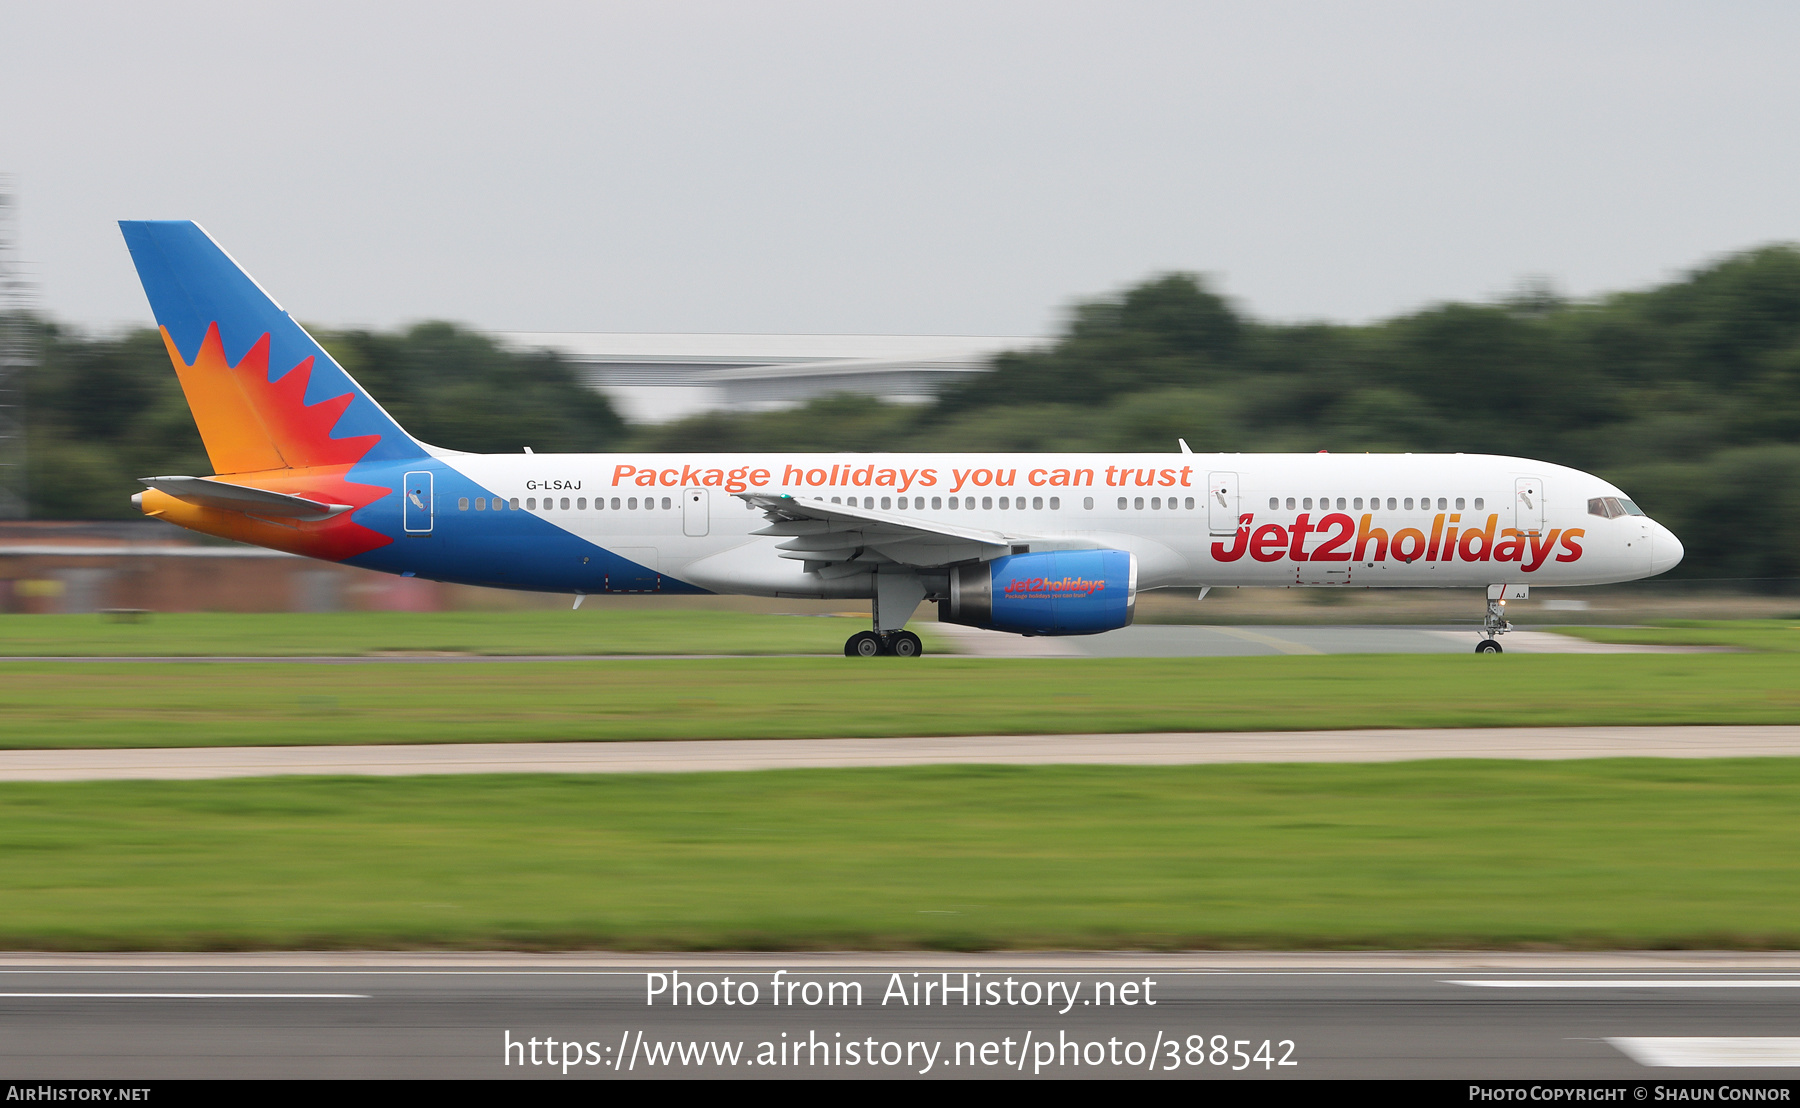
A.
x: 1057, y: 592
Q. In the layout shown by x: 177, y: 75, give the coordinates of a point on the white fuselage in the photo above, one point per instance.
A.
x: 1276, y: 520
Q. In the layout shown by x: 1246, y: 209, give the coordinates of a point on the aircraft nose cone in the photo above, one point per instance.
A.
x: 1665, y: 550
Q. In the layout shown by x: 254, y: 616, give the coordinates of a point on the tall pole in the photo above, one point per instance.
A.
x: 18, y: 353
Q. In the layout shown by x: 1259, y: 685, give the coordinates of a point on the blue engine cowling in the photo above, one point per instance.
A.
x: 1057, y: 592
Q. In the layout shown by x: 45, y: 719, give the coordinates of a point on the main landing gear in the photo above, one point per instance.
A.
x: 1493, y: 625
x: 871, y: 644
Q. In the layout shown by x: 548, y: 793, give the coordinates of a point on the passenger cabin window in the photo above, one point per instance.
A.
x: 1307, y: 503
x: 1004, y: 503
x: 1190, y: 504
x: 1459, y: 503
x: 987, y: 503
x: 581, y: 503
x: 481, y: 503
x: 1358, y: 504
x: 531, y: 503
x: 1408, y: 504
x: 1121, y: 503
x: 1137, y: 504
x: 1391, y: 504
x: 1290, y: 503
x: 513, y: 503
x: 1055, y: 503
x: 936, y: 503
x: 1478, y: 503
x: 462, y: 503
x: 1087, y: 503
x: 1442, y: 504
x: 615, y: 504
x: 1274, y: 503
x: 1156, y: 503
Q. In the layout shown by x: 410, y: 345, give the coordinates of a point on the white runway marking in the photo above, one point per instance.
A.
x: 184, y: 996
x: 1641, y: 983
x: 1710, y: 1052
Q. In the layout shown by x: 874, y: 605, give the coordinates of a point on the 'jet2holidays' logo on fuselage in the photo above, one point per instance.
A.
x: 1347, y: 540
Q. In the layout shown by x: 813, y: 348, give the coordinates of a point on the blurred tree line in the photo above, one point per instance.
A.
x: 1686, y: 395
x: 103, y: 412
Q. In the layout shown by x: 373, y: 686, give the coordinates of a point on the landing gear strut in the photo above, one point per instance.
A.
x: 870, y: 644
x: 1493, y: 625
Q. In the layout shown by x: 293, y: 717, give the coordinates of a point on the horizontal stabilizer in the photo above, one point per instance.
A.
x: 242, y: 498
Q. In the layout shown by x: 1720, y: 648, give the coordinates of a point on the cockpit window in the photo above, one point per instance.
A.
x: 1612, y: 507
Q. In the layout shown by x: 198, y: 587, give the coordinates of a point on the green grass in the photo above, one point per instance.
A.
x: 111, y: 704
x: 596, y: 629
x: 1774, y: 635
x: 1425, y: 854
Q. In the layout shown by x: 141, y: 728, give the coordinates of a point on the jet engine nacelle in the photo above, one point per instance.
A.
x: 1057, y: 592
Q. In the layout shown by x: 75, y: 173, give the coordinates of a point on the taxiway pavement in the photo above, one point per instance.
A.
x: 689, y: 756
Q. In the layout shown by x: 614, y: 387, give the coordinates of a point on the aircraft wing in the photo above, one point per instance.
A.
x: 242, y: 498
x: 835, y: 540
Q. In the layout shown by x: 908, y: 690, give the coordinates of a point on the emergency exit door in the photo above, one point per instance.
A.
x: 1222, y: 503
x: 693, y: 512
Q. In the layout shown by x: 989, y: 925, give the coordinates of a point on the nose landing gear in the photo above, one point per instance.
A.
x: 1494, y: 623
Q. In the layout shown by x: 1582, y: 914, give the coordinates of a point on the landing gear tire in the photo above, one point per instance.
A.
x: 1488, y: 646
x: 905, y: 644
x: 863, y: 644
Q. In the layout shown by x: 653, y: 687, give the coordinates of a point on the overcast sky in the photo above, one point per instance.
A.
x: 909, y: 168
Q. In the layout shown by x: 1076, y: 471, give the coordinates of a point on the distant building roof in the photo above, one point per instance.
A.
x: 656, y: 378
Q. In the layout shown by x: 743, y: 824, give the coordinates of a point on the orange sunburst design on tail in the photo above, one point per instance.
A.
x: 263, y: 433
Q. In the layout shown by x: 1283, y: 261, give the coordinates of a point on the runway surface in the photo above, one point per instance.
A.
x: 1141, y: 641
x: 1645, y: 1017
x: 686, y: 756
x: 1214, y: 641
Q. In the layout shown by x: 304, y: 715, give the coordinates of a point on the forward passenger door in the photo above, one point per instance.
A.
x: 1528, y: 505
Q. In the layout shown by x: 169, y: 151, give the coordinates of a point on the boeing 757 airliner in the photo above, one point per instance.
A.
x: 1036, y: 544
